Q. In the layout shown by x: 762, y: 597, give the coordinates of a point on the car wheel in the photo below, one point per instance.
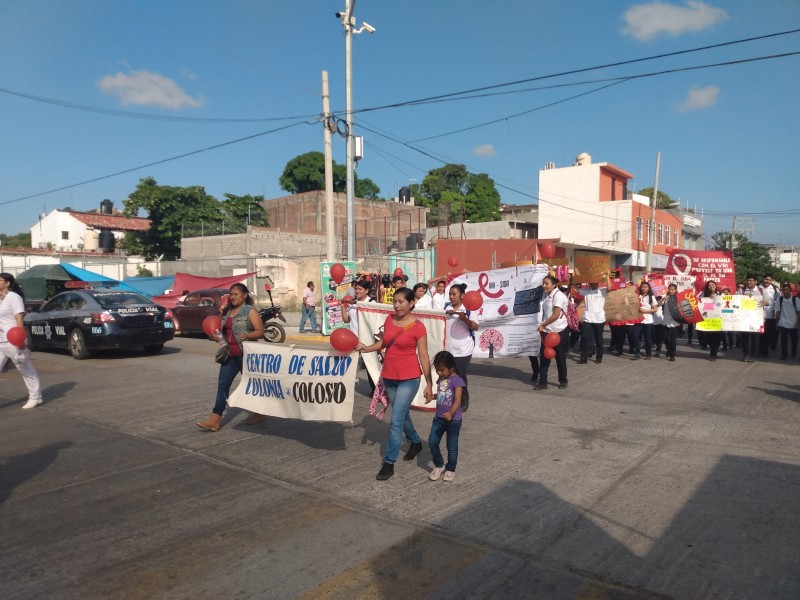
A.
x: 31, y: 345
x: 77, y: 345
x: 274, y: 333
x: 154, y: 348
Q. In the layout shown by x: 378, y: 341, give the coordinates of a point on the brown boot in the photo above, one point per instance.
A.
x: 255, y: 419
x: 212, y: 423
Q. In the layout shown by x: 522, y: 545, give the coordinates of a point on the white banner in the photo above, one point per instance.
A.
x: 371, y: 317
x: 684, y: 282
x: 296, y: 383
x: 511, y: 311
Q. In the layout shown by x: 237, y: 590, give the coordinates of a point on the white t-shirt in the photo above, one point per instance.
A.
x: 352, y: 312
x: 425, y: 302
x: 310, y: 297
x: 10, y: 307
x: 788, y: 314
x: 594, y: 301
x: 437, y: 301
x: 770, y: 294
x: 554, y: 299
x: 643, y: 304
x: 458, y: 340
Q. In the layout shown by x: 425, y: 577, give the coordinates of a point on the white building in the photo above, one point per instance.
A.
x: 588, y: 206
x: 67, y: 230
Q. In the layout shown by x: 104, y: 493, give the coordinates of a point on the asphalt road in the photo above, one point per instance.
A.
x: 643, y: 479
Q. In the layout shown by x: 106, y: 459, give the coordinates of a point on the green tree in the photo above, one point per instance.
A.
x: 169, y: 209
x: 453, y: 185
x: 241, y: 210
x: 306, y: 173
x: 750, y: 257
x: 20, y: 240
x: 664, y: 201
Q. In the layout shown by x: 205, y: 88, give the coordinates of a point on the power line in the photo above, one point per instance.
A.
x: 152, y: 164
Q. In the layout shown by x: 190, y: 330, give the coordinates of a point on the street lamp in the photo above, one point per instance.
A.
x: 349, y: 22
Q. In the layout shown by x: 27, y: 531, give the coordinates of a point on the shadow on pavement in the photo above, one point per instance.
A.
x: 18, y: 469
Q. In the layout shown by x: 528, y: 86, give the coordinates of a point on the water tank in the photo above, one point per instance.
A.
x: 91, y: 240
x: 107, y: 240
x: 405, y: 195
x: 107, y: 207
x: 583, y: 159
x: 415, y: 241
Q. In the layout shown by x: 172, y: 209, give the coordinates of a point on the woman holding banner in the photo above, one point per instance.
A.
x: 460, y: 336
x: 240, y: 322
x: 712, y: 339
x: 672, y: 319
x: 644, y: 330
x: 405, y: 341
x: 554, y: 319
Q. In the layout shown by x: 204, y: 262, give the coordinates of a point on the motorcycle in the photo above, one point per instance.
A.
x: 273, y: 332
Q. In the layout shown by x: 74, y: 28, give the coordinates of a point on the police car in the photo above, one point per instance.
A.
x: 82, y: 320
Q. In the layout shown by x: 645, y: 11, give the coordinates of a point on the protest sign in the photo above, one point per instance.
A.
x: 657, y: 284
x: 296, y: 383
x: 682, y: 282
x: 704, y: 265
x: 372, y: 316
x: 687, y: 304
x: 622, y: 306
x: 332, y: 294
x: 511, y: 311
x: 711, y: 308
x: 591, y: 267
x: 742, y: 313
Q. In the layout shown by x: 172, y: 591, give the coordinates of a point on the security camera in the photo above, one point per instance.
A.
x: 339, y: 15
x: 368, y: 27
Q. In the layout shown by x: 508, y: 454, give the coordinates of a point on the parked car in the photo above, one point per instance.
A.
x: 83, y: 320
x: 189, y: 313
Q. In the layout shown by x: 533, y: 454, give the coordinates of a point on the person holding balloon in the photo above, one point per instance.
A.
x: 554, y: 332
x: 459, y: 337
x: 13, y: 337
x: 405, y: 341
x: 240, y: 322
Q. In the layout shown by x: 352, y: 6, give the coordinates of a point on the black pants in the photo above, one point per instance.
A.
x: 534, y: 367
x: 592, y: 339
x: 659, y: 336
x: 561, y: 358
x: 768, y: 339
x: 731, y: 338
x: 462, y: 364
x: 786, y: 336
x: 617, y: 338
x: 749, y: 343
x: 671, y: 341
x: 713, y: 339
x: 643, y: 332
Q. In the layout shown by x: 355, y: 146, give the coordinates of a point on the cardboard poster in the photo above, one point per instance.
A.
x: 622, y: 306
x: 332, y: 295
x: 591, y: 268
x: 690, y: 310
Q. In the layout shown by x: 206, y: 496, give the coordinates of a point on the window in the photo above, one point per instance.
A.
x: 666, y: 235
x: 677, y: 237
x: 65, y: 235
x: 638, y: 228
x: 660, y: 233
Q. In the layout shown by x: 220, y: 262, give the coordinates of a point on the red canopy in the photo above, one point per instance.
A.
x: 192, y: 283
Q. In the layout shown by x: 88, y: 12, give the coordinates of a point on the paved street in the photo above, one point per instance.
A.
x: 644, y: 479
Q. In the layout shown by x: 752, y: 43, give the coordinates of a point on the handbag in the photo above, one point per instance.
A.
x: 222, y: 354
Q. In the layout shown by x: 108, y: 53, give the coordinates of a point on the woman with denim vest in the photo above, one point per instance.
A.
x: 240, y: 322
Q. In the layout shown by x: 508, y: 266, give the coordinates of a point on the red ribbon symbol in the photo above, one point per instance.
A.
x: 483, y: 279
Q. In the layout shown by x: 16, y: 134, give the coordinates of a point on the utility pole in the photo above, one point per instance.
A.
x: 651, y: 223
x: 349, y: 5
x: 329, y: 228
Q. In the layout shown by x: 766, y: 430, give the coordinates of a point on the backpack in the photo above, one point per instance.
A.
x: 572, y: 317
x: 794, y: 303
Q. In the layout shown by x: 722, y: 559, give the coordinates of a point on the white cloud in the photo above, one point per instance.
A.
x: 699, y: 98
x: 487, y: 151
x: 646, y: 21
x: 188, y: 74
x: 144, y: 88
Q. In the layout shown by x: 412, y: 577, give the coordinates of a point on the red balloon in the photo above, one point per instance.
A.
x: 472, y: 300
x: 398, y: 272
x: 343, y: 340
x: 347, y: 300
x: 548, y: 250
x: 212, y: 324
x: 368, y: 278
x: 552, y: 339
x: 17, y: 336
x: 453, y: 261
x: 337, y: 273
x: 549, y: 353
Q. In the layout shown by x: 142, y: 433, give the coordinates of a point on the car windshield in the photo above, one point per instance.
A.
x: 112, y: 299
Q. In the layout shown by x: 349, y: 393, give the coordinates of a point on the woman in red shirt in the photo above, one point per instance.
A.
x: 405, y: 342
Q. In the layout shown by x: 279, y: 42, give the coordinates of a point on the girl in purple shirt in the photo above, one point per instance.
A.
x: 450, y: 389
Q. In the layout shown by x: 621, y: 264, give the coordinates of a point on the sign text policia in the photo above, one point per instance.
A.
x: 296, y: 383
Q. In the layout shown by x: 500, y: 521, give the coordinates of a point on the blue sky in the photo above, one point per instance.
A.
x: 728, y: 136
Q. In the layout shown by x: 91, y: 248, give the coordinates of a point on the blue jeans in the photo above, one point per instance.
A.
x: 310, y: 313
x: 438, y: 428
x: 401, y: 392
x: 227, y: 373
